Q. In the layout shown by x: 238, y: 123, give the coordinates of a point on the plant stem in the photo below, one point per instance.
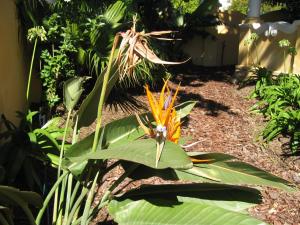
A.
x: 68, y: 200
x: 48, y: 198
x: 61, y: 209
x: 55, y: 206
x: 284, y: 58
x: 30, y: 72
x: 89, y: 201
x: 102, y: 96
x: 76, y: 205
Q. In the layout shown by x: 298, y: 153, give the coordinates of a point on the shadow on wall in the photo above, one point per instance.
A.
x: 267, y: 52
x: 12, y: 85
x: 225, y: 46
x: 220, y: 48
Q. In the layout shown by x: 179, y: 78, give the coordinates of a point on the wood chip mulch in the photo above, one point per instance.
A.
x: 221, y: 122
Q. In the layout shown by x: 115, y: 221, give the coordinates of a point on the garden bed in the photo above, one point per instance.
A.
x: 221, y: 122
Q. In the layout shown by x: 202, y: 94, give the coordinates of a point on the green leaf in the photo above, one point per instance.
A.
x: 233, y: 198
x: 10, y: 197
x: 160, y: 212
x: 87, y: 112
x: 219, y: 169
x: 120, y: 132
x: 72, y: 91
x: 185, y: 108
x: 143, y: 152
x: 28, y: 196
x: 235, y: 173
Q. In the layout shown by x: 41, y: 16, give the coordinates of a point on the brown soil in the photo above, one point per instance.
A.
x: 221, y: 121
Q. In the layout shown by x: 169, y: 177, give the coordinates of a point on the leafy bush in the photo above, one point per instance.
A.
x: 242, y: 6
x: 279, y: 101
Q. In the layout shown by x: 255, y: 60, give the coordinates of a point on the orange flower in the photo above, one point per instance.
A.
x: 164, y: 114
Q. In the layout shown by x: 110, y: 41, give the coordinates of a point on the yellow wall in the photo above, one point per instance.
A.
x: 221, y: 47
x: 12, y: 78
x: 267, y: 51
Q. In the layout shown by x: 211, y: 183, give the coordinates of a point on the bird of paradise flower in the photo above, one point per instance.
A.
x: 167, y: 121
x: 165, y: 116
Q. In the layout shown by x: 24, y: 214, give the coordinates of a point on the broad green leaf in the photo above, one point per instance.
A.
x: 243, y: 173
x: 120, y: 132
x: 10, y: 196
x: 143, y: 152
x: 87, y: 112
x: 162, y: 212
x: 229, y: 172
x: 185, y: 108
x: 219, y: 170
x: 233, y: 198
x: 116, y: 133
x: 72, y: 91
x: 27, y: 196
x: 191, y: 174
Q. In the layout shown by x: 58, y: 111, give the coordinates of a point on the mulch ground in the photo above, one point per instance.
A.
x: 221, y: 122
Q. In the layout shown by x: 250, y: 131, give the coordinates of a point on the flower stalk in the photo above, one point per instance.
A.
x: 103, y: 92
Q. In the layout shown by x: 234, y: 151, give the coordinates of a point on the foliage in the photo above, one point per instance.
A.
x: 56, y: 69
x: 27, y: 145
x: 288, y: 50
x: 242, y: 7
x: 12, y: 198
x: 185, y: 6
x: 279, y: 101
x: 77, y: 45
x: 251, y: 42
x: 291, y: 5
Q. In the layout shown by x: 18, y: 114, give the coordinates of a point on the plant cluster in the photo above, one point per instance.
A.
x: 278, y: 97
x: 78, y: 46
x: 279, y: 102
x: 242, y: 6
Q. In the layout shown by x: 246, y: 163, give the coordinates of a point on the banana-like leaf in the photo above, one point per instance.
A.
x: 115, y: 12
x: 143, y: 152
x: 12, y: 197
x: 72, y: 92
x: 122, y: 131
x: 232, y: 172
x: 87, y: 112
x: 185, y: 108
x: 219, y: 170
x: 29, y: 197
x: 233, y: 198
x: 163, y: 212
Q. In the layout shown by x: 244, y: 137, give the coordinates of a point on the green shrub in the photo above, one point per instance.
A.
x: 242, y: 6
x: 279, y: 102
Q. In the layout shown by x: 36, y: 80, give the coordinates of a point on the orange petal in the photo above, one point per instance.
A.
x: 153, y: 105
x: 146, y: 129
x: 162, y: 95
x: 168, y: 111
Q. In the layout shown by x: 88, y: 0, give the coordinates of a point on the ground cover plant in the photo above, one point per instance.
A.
x: 278, y: 97
x: 279, y: 102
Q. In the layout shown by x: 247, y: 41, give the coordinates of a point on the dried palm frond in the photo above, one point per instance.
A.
x: 134, y: 48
